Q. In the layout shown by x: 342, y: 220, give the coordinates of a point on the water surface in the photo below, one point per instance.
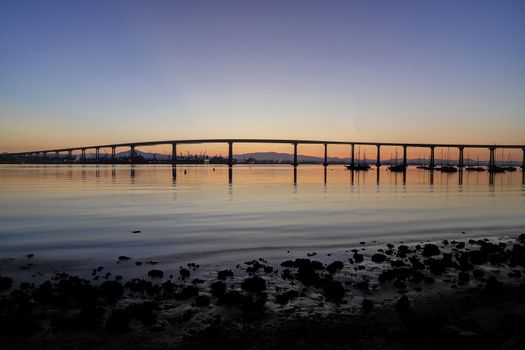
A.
x: 208, y: 214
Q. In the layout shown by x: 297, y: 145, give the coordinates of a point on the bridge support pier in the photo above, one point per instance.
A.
x: 492, y: 158
x: 132, y: 154
x: 461, y: 160
x: 294, y: 155
x: 97, y: 154
x: 523, y: 161
x: 174, y: 153
x: 230, y: 153
x: 378, y: 157
x: 57, y: 156
x: 352, y: 158
x: 325, y: 162
x: 432, y: 157
x: 69, y: 155
x: 83, y: 156
x: 113, y: 155
x: 405, y: 155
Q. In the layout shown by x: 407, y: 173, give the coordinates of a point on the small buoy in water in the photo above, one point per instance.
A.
x: 136, y: 231
x: 213, y: 169
x: 185, y: 171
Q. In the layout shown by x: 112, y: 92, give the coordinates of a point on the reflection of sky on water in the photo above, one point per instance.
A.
x: 89, y: 211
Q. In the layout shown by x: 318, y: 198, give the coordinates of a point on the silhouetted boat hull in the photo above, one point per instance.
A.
x: 475, y: 168
x: 447, y: 169
x: 358, y: 167
x: 496, y: 169
x: 397, y: 168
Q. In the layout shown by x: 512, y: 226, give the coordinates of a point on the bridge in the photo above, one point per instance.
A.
x: 295, y: 143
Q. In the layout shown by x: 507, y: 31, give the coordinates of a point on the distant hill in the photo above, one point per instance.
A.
x: 284, y: 157
x: 276, y: 157
x: 145, y: 155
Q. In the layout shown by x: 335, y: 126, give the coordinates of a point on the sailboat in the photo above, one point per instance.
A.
x: 424, y: 166
x: 496, y: 168
x: 477, y: 168
x: 448, y: 168
x: 509, y: 167
x: 395, y: 167
x: 359, y: 166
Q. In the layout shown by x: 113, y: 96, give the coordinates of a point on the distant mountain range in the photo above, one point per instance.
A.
x: 276, y: 157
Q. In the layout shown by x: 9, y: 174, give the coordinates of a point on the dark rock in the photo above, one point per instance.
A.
x: 155, y: 274
x: 123, y: 258
x: 254, y: 284
x: 456, y: 333
x: 144, y: 312
x: 118, y: 321
x: 334, y: 267
x: 430, y: 250
x: 202, y: 300
x: 224, y: 274
x: 142, y: 286
x: 187, y: 292
x: 111, y: 289
x: 285, y: 297
x: 268, y: 269
x: 416, y: 263
x: 363, y: 285
x: 399, y: 284
x: 398, y: 263
x: 417, y: 276
x: 478, y: 274
x: 184, y: 273
x: 5, y: 282
x: 218, y: 288
x: 402, y: 251
x: 477, y: 257
x: 358, y: 258
x: 463, y: 277
x: 367, y: 305
x: 514, y: 274
x: 493, y: 285
x: 232, y: 297
x: 334, y: 290
x: 437, y: 266
x: 378, y: 258
x: 402, y: 304
x: 287, y: 275
x: 428, y: 280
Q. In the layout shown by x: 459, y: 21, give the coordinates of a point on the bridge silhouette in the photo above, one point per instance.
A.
x: 295, y: 143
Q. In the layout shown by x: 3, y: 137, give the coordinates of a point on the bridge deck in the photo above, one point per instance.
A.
x: 276, y: 141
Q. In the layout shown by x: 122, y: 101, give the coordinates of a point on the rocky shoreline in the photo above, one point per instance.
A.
x: 465, y: 293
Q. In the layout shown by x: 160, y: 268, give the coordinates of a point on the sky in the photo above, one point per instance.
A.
x: 76, y: 73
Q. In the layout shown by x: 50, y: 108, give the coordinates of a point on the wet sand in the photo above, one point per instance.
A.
x: 465, y: 294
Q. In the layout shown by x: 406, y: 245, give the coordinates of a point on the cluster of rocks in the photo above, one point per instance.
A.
x: 71, y: 302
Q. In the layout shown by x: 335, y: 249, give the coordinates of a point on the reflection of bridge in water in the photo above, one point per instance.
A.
x: 43, y: 154
x: 355, y: 177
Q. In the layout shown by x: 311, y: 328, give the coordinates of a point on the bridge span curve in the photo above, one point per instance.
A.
x: 294, y: 142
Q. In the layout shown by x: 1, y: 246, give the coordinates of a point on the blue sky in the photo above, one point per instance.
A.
x: 83, y: 72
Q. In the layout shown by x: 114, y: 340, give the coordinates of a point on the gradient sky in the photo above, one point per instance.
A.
x: 86, y: 72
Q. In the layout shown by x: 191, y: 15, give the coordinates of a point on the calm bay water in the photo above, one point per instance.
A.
x: 88, y: 212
